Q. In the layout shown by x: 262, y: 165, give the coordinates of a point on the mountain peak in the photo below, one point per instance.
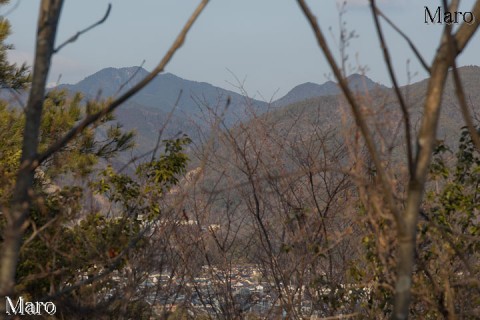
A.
x: 109, y: 80
x: 307, y: 90
x: 124, y: 71
x: 357, y: 76
x: 361, y: 82
x: 310, y: 90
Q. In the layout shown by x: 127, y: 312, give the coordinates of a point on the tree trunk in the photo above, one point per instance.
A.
x: 18, y: 212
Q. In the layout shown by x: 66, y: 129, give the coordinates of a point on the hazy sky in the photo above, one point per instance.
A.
x: 267, y: 43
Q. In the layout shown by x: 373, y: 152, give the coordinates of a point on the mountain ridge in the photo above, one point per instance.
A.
x: 201, y: 103
x: 101, y: 83
x: 195, y: 106
x: 310, y: 90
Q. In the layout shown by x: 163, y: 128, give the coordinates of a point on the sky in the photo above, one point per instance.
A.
x: 266, y: 46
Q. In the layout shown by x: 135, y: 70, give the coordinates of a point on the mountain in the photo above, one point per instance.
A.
x: 195, y: 99
x: 196, y: 104
x: 310, y: 90
x: 107, y: 82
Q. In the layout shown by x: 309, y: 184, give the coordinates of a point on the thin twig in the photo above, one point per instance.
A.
x: 169, y: 117
x: 79, y: 33
x: 16, y: 96
x: 404, y: 36
x: 36, y: 232
x: 401, y: 101
x: 129, y: 79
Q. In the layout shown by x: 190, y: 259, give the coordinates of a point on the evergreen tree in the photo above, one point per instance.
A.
x: 11, y: 76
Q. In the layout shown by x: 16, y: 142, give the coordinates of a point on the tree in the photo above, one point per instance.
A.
x: 406, y: 214
x: 285, y: 206
x: 12, y: 76
x: 449, y: 231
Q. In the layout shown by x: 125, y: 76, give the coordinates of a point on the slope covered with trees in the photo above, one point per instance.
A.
x: 327, y: 208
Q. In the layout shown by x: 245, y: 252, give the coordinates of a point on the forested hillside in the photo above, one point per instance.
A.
x: 137, y: 194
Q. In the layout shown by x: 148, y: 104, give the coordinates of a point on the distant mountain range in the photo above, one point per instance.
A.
x: 383, y: 105
x: 197, y: 104
x: 164, y: 90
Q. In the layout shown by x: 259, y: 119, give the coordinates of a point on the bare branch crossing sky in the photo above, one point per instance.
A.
x: 267, y: 43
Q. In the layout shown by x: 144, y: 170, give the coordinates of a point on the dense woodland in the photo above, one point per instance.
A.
x: 296, y: 210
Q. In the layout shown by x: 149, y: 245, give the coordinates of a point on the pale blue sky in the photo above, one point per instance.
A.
x: 266, y: 42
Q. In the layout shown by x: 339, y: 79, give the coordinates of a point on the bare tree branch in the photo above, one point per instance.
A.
x: 167, y: 121
x: 130, y: 78
x: 404, y: 36
x: 401, y: 101
x: 79, y: 33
